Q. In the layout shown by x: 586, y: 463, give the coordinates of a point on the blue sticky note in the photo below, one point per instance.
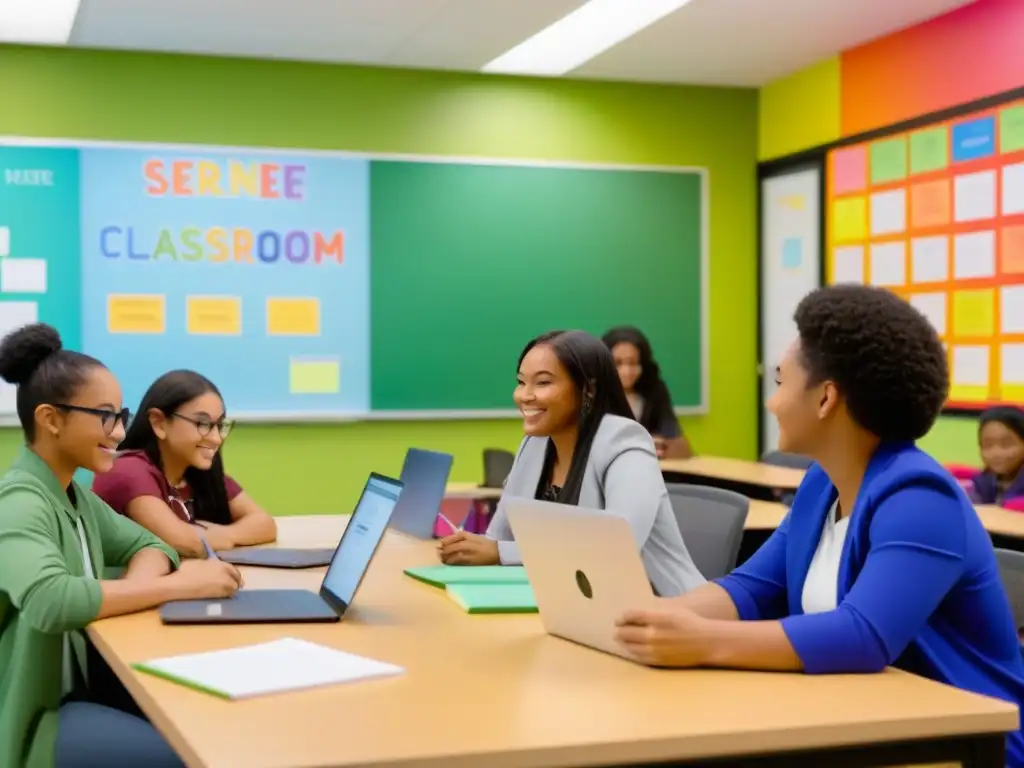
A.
x: 974, y: 139
x: 792, y: 253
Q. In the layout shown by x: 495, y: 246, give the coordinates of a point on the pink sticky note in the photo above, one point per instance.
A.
x: 849, y: 170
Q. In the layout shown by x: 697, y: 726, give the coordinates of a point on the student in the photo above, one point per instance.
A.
x: 583, y: 447
x: 56, y: 538
x: 170, y: 477
x: 1001, y: 439
x: 882, y: 560
x: 647, y: 394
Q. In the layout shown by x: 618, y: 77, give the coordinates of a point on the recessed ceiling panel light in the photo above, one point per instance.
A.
x: 37, y: 22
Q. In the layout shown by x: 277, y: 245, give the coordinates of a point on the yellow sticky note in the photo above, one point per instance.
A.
x: 974, y: 313
x: 849, y: 219
x: 214, y: 315
x: 136, y: 313
x: 293, y: 317
x: 794, y: 202
x: 314, y: 377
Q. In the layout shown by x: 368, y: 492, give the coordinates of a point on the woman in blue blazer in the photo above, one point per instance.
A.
x: 882, y: 560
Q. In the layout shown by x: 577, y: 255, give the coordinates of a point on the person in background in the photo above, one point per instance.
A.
x: 583, y: 447
x: 56, y: 539
x: 170, y: 474
x: 882, y: 560
x: 1001, y: 439
x: 648, y: 397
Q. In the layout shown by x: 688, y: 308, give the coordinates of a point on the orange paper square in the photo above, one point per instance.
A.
x: 1012, y: 250
x: 929, y: 204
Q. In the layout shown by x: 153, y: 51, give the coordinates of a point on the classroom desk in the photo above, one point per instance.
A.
x: 750, y: 478
x: 496, y: 691
x: 470, y: 491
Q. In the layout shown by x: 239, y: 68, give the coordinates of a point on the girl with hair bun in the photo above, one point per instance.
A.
x: 56, y: 541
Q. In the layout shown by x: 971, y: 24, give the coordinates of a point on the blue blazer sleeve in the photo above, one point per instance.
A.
x: 758, y: 587
x: 918, y: 545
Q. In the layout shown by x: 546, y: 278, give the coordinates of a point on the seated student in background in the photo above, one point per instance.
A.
x: 648, y: 397
x: 170, y: 475
x: 56, y: 538
x: 882, y: 560
x: 1001, y: 439
x: 583, y: 447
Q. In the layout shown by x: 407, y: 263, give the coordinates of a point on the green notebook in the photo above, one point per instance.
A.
x: 493, y: 598
x: 443, y: 575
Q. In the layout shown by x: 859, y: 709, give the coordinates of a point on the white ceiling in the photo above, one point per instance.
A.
x: 712, y: 42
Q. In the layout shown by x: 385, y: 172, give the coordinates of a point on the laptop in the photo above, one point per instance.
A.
x: 424, y: 477
x: 278, y: 557
x: 351, y: 559
x: 584, y: 586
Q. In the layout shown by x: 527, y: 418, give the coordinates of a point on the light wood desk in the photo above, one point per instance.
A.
x: 751, y: 478
x: 470, y: 491
x: 548, y: 702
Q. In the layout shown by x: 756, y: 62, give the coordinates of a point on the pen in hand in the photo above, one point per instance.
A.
x: 455, y: 528
x: 210, y: 554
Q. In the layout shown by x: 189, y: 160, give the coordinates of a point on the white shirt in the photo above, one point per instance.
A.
x: 821, y: 587
x: 68, y: 675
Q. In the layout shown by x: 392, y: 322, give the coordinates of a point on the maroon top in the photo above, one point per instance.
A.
x: 134, y: 475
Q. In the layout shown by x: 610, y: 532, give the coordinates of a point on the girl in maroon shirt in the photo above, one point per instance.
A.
x: 170, y: 475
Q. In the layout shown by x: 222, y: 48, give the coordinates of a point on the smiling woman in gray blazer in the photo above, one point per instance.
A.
x: 583, y: 447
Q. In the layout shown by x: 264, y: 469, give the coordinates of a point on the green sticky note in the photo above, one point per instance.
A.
x: 889, y: 160
x: 929, y: 150
x: 314, y: 377
x: 442, y: 575
x: 1011, y: 129
x: 493, y: 598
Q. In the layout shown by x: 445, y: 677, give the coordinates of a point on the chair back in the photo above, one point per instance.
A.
x: 783, y: 459
x: 497, y: 465
x: 1011, y: 573
x: 711, y: 521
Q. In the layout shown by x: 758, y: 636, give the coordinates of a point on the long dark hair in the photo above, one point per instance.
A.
x: 592, y: 369
x: 650, y: 386
x: 167, y: 394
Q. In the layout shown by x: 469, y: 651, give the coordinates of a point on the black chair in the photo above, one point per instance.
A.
x: 1011, y: 573
x: 497, y: 465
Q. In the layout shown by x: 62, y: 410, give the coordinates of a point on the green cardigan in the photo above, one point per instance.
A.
x: 44, y: 593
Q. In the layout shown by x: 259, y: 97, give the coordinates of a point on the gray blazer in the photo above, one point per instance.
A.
x: 623, y: 478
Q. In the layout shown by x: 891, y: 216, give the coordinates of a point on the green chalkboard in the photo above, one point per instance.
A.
x: 469, y: 261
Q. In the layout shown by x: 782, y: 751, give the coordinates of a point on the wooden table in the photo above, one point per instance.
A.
x: 750, y: 478
x: 496, y: 691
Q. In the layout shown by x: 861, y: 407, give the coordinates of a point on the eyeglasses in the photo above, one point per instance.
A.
x: 109, y: 419
x: 206, y: 426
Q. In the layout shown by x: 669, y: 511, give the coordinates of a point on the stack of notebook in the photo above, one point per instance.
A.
x: 481, y: 589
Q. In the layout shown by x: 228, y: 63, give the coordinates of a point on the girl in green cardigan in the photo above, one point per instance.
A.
x: 56, y: 540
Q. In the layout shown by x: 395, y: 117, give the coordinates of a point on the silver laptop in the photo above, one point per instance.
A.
x: 584, y: 567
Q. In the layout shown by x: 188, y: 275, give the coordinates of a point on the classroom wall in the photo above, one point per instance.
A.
x: 144, y: 97
x: 970, y: 53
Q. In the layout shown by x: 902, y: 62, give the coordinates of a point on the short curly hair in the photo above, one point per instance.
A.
x: 883, y: 355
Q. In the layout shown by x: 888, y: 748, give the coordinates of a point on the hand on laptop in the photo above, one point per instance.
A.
x: 205, y: 580
x: 665, y: 638
x: 463, y: 548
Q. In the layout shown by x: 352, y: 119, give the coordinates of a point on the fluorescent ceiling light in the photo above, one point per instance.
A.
x: 37, y: 22
x: 591, y: 29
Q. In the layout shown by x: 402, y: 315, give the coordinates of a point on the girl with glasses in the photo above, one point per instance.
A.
x: 56, y: 541
x: 169, y: 476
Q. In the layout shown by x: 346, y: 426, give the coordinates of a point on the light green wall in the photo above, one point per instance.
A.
x: 303, y: 468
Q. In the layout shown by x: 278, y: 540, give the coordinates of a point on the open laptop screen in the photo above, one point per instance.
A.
x: 359, y: 542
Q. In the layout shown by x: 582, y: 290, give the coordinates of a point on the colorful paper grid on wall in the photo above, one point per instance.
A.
x: 937, y: 216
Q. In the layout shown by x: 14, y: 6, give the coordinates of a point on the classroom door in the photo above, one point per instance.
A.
x: 791, y: 250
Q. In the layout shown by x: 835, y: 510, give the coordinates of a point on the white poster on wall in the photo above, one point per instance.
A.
x: 790, y: 269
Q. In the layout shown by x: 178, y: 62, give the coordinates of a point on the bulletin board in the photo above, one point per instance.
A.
x: 936, y: 214
x: 315, y: 285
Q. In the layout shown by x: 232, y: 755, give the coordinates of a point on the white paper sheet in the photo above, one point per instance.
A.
x: 889, y: 212
x: 932, y: 306
x: 1011, y: 302
x: 974, y: 255
x: 23, y: 275
x: 5, y: 241
x: 1013, y: 189
x: 282, y: 665
x: 970, y: 366
x: 929, y: 259
x: 1011, y: 363
x: 888, y: 264
x: 13, y: 315
x: 848, y: 264
x: 974, y: 196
